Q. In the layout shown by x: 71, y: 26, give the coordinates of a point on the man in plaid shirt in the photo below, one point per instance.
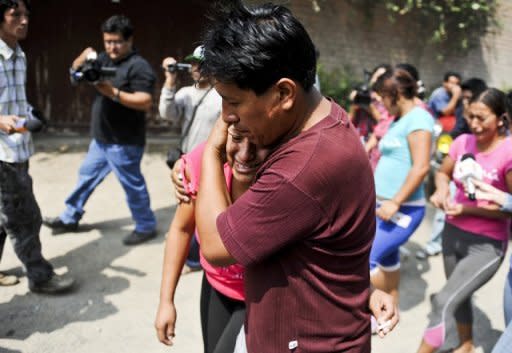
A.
x: 20, y: 217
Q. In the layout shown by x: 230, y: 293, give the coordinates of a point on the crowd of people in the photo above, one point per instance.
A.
x: 295, y: 210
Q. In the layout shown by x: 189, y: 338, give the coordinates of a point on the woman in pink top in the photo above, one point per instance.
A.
x: 222, y: 295
x: 475, y: 235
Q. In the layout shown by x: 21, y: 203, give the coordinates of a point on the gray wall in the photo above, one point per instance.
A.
x: 346, y: 35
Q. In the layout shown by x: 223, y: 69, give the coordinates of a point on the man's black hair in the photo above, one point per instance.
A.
x: 9, y: 4
x: 254, y: 47
x: 449, y: 74
x: 118, y: 24
x: 475, y: 85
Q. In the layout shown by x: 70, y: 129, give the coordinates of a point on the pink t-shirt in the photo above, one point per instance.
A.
x: 227, y: 280
x: 495, y: 164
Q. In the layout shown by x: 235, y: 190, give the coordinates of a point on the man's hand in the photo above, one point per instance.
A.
x: 218, y: 137
x: 385, y: 310
x: 8, y: 123
x: 165, y: 322
x: 387, y: 209
x: 79, y: 61
x: 455, y: 90
x: 177, y: 180
x: 170, y: 77
x: 106, y: 89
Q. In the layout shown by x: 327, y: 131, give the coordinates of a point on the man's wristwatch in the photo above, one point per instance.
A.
x: 117, y: 96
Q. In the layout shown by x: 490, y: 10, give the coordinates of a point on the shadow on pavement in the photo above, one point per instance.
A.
x: 411, y: 277
x: 26, y: 314
x: 5, y: 350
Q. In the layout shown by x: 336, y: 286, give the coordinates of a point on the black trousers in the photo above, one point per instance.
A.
x: 20, y: 219
x: 221, y: 319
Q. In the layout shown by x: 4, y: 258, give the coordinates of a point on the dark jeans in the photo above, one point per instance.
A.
x: 20, y: 219
x: 221, y: 319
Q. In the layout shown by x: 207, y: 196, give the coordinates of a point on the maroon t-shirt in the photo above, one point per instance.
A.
x: 304, y: 232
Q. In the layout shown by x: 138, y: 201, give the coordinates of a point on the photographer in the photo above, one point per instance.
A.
x: 20, y: 217
x: 118, y: 129
x: 363, y: 113
x: 195, y: 108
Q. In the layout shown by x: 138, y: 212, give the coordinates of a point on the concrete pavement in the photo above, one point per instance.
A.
x: 113, y: 308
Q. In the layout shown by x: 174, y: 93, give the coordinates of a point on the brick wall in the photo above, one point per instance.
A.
x: 346, y: 35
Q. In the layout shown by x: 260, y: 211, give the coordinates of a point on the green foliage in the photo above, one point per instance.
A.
x: 456, y: 22
x: 338, y: 83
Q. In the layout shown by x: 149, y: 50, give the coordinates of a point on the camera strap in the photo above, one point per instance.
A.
x: 187, y: 129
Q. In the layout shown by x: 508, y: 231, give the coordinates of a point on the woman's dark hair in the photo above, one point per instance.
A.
x: 254, y: 47
x: 118, y: 24
x: 9, y: 4
x: 413, y: 71
x: 498, y: 102
x: 395, y: 82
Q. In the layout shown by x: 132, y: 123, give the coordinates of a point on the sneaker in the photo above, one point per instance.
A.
x: 56, y: 284
x: 58, y: 226
x: 427, y: 251
x: 135, y: 237
x: 8, y: 280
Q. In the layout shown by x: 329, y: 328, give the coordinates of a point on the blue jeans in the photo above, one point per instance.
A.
x: 124, y: 161
x: 507, y: 296
x: 504, y: 344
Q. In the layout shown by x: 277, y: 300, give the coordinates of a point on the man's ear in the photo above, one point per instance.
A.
x: 287, y: 93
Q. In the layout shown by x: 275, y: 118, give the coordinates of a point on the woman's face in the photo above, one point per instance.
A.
x: 243, y: 156
x: 390, y: 104
x: 482, y: 121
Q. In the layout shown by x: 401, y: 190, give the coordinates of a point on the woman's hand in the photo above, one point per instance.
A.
x: 387, y: 209
x: 439, y: 198
x: 453, y: 208
x: 165, y: 322
x: 488, y: 192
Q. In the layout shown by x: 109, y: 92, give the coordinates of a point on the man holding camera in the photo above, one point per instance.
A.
x: 195, y: 107
x: 118, y: 131
x: 20, y: 217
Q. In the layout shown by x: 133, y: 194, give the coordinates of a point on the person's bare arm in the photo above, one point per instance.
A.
x: 137, y: 100
x: 80, y: 59
x: 442, y: 181
x: 213, y: 197
x: 491, y: 211
x: 177, y: 245
x: 419, y: 146
x: 449, y: 109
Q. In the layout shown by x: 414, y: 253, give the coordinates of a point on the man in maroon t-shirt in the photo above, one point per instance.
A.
x: 304, y: 229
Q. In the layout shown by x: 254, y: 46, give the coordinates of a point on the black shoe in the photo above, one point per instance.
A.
x: 135, y: 237
x: 55, y: 285
x: 57, y: 225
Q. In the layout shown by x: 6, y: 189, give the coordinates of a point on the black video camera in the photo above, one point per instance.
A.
x: 178, y: 67
x: 363, y: 93
x: 92, y: 71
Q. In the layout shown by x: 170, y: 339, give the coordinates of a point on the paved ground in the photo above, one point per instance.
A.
x: 113, y: 308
